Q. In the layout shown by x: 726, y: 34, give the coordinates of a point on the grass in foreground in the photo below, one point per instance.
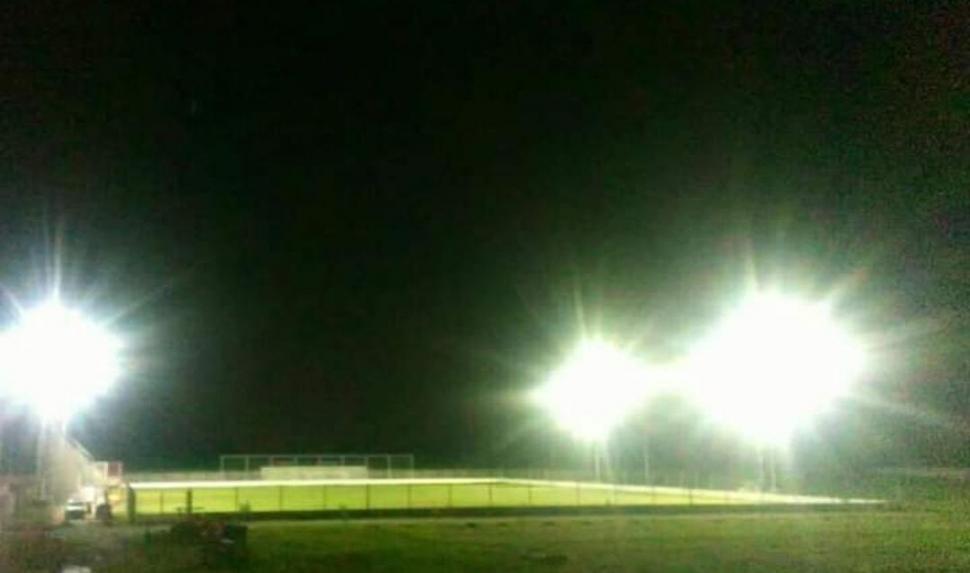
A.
x: 812, y: 542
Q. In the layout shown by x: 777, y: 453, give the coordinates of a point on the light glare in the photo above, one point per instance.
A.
x: 772, y: 366
x: 56, y: 361
x: 593, y: 391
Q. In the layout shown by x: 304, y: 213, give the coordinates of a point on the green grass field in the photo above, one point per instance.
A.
x: 773, y: 543
x: 297, y: 497
x: 852, y: 542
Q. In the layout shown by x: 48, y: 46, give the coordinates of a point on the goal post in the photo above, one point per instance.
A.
x: 369, y: 465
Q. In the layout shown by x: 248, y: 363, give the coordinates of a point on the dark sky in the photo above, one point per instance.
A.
x: 370, y: 228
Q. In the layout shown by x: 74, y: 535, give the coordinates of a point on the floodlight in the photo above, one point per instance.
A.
x: 56, y: 361
x: 593, y: 391
x: 773, y: 365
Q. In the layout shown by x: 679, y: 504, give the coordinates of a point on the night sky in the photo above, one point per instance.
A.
x: 374, y: 228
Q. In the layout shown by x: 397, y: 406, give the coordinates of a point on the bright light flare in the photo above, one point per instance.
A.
x: 57, y: 362
x: 772, y: 366
x: 594, y: 390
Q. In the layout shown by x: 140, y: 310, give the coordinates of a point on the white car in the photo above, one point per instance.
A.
x: 76, y: 509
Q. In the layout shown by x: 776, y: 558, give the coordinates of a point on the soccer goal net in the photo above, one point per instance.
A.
x: 318, y: 466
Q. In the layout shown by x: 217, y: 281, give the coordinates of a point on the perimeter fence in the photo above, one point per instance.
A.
x: 255, y: 497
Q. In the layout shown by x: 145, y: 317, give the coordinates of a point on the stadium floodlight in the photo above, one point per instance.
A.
x: 593, y: 391
x: 773, y: 365
x: 56, y: 361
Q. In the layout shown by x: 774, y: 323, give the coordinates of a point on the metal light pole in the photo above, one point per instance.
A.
x: 767, y: 474
x: 40, y: 465
x: 646, y: 458
x: 597, y: 470
x: 772, y: 470
x: 2, y: 436
x: 761, y: 468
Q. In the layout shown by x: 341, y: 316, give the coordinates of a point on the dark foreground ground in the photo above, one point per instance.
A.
x: 896, y: 541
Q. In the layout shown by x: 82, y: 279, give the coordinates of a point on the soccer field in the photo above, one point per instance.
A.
x: 171, y: 498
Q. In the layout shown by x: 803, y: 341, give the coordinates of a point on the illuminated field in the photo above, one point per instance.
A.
x: 354, y: 495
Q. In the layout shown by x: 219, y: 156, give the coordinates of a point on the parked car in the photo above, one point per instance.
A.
x: 76, y: 509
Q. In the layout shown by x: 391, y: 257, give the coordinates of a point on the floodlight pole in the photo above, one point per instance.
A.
x: 646, y: 459
x: 2, y: 436
x: 596, y: 462
x: 772, y: 470
x: 761, y: 467
x: 40, y: 466
x: 768, y: 478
